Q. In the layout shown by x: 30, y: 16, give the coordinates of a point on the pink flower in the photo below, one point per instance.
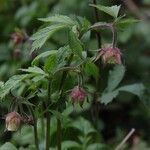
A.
x: 78, y: 94
x: 13, y: 121
x: 111, y: 55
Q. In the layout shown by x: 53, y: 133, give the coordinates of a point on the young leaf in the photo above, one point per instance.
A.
x: 108, y: 97
x: 75, y: 44
x: 43, y: 55
x: 59, y: 19
x: 112, y: 11
x: 40, y: 37
x: 115, y: 77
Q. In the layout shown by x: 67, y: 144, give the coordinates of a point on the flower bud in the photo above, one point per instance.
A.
x: 78, y: 94
x: 18, y: 37
x: 111, y: 55
x: 13, y: 121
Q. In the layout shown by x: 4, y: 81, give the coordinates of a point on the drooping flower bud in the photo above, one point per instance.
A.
x: 13, y: 121
x: 78, y: 94
x: 111, y: 55
x: 18, y: 37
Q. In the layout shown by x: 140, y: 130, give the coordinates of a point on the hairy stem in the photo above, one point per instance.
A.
x: 110, y: 26
x: 114, y: 36
x: 48, y: 117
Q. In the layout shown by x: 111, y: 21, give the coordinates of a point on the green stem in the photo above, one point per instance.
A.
x: 65, y: 73
x: 59, y: 134
x: 47, y: 131
x: 48, y: 117
x: 43, y: 126
x: 64, y: 76
x: 98, y: 82
x: 35, y: 130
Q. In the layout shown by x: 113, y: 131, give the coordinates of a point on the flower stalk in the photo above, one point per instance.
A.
x: 111, y: 26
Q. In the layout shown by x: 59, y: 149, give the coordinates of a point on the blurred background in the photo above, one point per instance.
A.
x: 127, y: 110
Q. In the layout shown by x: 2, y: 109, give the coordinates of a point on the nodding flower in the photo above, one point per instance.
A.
x: 13, y: 121
x: 111, y: 55
x: 78, y: 94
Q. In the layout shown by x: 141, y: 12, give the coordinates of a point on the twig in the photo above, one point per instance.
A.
x: 125, y: 139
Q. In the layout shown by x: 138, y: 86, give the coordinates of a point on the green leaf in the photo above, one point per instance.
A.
x: 108, y: 97
x: 43, y: 55
x: 85, y: 25
x: 136, y: 89
x: 50, y: 64
x: 75, y: 44
x: 59, y: 19
x: 69, y: 109
x: 84, y: 126
x: 57, y: 114
x: 82, y: 24
x: 11, y: 84
x: 124, y: 23
x: 112, y: 11
x: 1, y: 84
x: 34, y: 70
x: 91, y: 69
x: 26, y: 139
x: 40, y: 37
x: 70, y: 144
x: 97, y: 146
x: 8, y: 146
x: 38, y: 78
x: 115, y: 77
